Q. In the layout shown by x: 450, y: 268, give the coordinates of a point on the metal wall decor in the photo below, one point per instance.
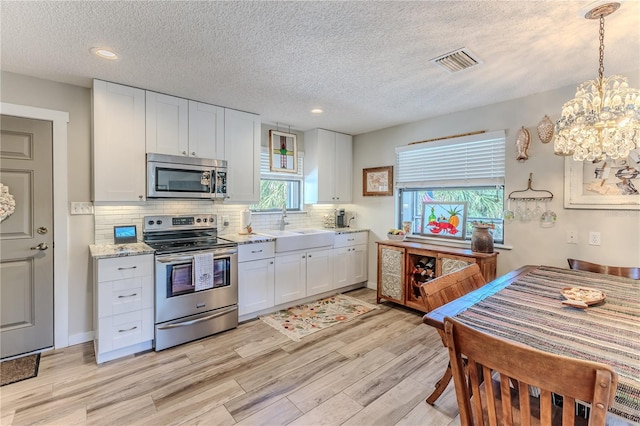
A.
x: 545, y: 130
x: 523, y: 138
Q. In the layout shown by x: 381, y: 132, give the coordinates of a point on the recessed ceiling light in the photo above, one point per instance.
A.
x: 104, y: 53
x: 317, y: 111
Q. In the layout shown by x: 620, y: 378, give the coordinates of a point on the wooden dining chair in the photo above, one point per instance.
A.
x: 621, y: 271
x: 511, y: 368
x: 445, y: 289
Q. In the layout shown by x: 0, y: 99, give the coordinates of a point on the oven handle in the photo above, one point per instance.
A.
x: 181, y: 259
x: 195, y: 321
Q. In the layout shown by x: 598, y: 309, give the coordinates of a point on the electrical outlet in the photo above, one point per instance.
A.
x: 225, y: 220
x: 78, y: 207
x: 572, y: 237
x: 594, y: 238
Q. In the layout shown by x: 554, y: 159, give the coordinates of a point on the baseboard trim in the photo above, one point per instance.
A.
x: 76, y: 339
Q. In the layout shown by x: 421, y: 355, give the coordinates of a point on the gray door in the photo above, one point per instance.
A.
x: 26, y: 236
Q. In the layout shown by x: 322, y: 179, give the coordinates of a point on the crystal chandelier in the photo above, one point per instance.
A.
x: 603, y: 120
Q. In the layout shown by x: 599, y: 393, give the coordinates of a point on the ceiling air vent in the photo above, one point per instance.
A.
x: 457, y: 60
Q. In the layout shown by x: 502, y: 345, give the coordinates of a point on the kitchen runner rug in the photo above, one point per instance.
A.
x: 302, y: 320
x: 18, y: 369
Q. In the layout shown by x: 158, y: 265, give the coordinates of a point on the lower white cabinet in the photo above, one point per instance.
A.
x: 256, y: 279
x: 350, y: 259
x: 303, y: 273
x: 123, y: 306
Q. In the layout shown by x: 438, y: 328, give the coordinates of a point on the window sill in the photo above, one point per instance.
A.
x: 450, y: 243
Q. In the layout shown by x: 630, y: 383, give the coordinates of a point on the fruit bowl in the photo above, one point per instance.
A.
x: 395, y: 237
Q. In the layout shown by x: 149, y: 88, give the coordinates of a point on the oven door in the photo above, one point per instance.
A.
x: 167, y: 180
x: 176, y: 295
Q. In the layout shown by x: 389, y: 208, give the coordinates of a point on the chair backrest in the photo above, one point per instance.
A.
x: 511, y: 368
x: 449, y: 287
x: 621, y: 271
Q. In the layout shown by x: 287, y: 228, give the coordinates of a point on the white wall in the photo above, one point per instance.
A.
x: 531, y: 243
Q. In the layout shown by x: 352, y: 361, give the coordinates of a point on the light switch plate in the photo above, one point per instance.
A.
x: 78, y: 207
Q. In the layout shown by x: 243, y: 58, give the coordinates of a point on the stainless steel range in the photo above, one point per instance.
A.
x: 196, y: 278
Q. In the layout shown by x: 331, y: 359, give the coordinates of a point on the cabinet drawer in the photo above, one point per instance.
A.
x: 247, y: 252
x: 117, y: 268
x: 128, y: 295
x: 351, y: 239
x: 124, y: 330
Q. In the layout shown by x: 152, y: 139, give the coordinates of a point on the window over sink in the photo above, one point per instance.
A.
x: 278, y: 189
x: 465, y: 169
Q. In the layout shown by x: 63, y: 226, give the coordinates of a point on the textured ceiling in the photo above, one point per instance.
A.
x: 365, y: 63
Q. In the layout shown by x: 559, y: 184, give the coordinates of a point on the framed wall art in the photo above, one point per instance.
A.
x: 377, y: 181
x: 444, y: 219
x: 283, y: 152
x: 607, y: 185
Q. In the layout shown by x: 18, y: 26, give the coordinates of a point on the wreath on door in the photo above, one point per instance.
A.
x: 7, y: 202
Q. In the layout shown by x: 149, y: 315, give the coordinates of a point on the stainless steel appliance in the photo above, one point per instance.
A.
x: 341, y: 218
x: 170, y: 176
x: 183, y: 311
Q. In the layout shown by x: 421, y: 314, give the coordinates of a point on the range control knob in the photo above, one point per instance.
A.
x: 151, y: 222
x: 198, y: 220
x: 158, y: 222
x: 204, y: 220
x: 211, y: 219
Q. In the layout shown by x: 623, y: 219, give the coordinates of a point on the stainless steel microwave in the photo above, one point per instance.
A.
x: 170, y: 176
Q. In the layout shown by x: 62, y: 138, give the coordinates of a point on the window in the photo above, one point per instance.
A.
x: 278, y: 189
x: 469, y: 168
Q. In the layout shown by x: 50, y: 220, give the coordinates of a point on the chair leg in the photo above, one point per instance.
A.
x: 441, y: 385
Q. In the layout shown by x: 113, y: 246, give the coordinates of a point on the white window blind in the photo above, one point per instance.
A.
x: 476, y: 160
x: 265, y: 173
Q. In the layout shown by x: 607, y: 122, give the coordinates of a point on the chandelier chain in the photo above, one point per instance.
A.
x: 601, y: 68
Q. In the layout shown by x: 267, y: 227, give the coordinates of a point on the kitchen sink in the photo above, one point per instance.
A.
x: 300, y: 239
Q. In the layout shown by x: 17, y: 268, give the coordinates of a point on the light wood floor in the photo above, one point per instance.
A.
x: 375, y: 370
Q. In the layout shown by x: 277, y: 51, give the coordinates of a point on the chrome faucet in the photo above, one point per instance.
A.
x: 284, y: 214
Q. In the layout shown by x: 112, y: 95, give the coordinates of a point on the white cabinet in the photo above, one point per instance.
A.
x: 177, y: 126
x: 256, y: 269
x: 123, y: 306
x: 118, y: 142
x: 303, y: 273
x: 167, y: 121
x: 350, y: 259
x: 206, y: 130
x: 242, y: 152
x: 328, y: 167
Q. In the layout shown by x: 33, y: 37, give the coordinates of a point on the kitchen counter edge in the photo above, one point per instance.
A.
x: 259, y: 238
x: 104, y: 251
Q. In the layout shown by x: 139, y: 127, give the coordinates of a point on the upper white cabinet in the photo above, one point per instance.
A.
x: 167, y: 124
x: 177, y: 126
x: 328, y: 167
x: 118, y: 142
x: 206, y: 131
x: 242, y: 152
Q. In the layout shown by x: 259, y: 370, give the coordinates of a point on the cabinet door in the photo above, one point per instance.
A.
x: 358, y: 264
x: 118, y: 142
x: 167, y: 124
x: 242, y: 151
x: 342, y: 173
x: 391, y: 273
x: 255, y: 285
x: 447, y: 263
x: 326, y: 158
x: 341, y: 267
x: 206, y: 131
x: 291, y: 277
x: 319, y: 275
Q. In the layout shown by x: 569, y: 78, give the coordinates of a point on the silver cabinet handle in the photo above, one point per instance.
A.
x: 256, y: 251
x: 184, y: 152
x: 41, y: 246
x: 193, y: 153
x: 128, y: 329
x: 271, y: 263
x: 128, y: 295
x: 130, y: 267
x: 351, y: 239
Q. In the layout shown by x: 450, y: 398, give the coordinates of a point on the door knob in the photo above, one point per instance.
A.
x: 41, y: 246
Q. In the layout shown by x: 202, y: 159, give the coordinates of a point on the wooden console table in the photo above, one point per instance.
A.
x: 399, y: 279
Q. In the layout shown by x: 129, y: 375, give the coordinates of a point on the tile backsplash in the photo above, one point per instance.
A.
x: 106, y: 217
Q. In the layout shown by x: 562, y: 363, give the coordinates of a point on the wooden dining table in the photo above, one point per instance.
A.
x: 525, y: 306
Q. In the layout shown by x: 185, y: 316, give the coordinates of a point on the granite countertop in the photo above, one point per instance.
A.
x: 257, y: 237
x: 103, y: 251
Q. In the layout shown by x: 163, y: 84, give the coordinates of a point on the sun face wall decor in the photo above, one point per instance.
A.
x: 283, y: 152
